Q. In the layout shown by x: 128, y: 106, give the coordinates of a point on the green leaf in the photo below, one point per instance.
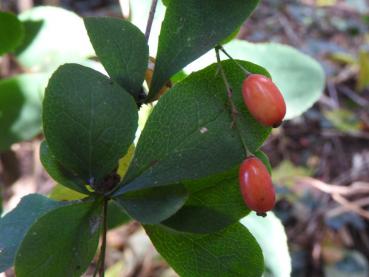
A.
x: 300, y: 78
x: 153, y: 205
x: 122, y: 49
x: 116, y: 215
x: 212, y: 208
x: 11, y: 32
x: 190, y: 29
x: 20, y: 108
x: 89, y: 121
x: 15, y: 224
x: 53, y: 36
x: 231, y: 252
x: 166, y: 2
x: 189, y: 135
x: 271, y: 236
x: 59, y: 173
x: 60, y: 243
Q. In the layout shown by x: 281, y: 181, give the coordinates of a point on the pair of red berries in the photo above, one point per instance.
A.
x: 266, y: 104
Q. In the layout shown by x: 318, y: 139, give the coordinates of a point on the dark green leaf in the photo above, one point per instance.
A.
x: 122, y: 49
x: 153, y: 205
x: 60, y: 243
x: 116, y: 215
x: 190, y: 134
x: 15, y: 224
x: 53, y: 37
x: 190, y: 29
x: 58, y: 173
x: 89, y: 121
x: 11, y: 32
x: 20, y: 108
x: 212, y: 208
x: 231, y: 252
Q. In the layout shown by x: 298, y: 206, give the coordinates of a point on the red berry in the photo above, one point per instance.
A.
x: 256, y: 186
x: 264, y: 100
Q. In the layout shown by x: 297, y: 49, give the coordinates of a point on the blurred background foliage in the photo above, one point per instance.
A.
x: 320, y: 158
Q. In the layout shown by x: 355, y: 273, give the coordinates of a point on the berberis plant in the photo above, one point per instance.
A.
x: 182, y: 182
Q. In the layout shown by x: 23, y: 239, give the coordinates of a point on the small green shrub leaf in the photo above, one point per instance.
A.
x: 66, y: 240
x: 15, y: 224
x: 190, y: 29
x: 116, y: 215
x: 20, y: 108
x: 190, y: 133
x: 89, y: 121
x: 232, y: 252
x: 58, y: 173
x: 216, y: 206
x: 122, y: 49
x: 11, y: 32
x: 153, y: 205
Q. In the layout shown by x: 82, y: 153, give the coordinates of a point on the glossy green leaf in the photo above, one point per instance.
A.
x: 59, y: 173
x: 53, y: 36
x: 60, y: 243
x: 116, y: 215
x: 122, y: 50
x: 20, y: 108
x: 300, y: 78
x: 212, y: 208
x: 89, y: 121
x: 15, y: 224
x: 271, y: 236
x: 11, y: 32
x: 153, y: 205
x: 190, y: 29
x: 190, y: 134
x: 232, y: 252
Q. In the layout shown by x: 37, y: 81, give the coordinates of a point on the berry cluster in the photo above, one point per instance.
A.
x: 266, y: 104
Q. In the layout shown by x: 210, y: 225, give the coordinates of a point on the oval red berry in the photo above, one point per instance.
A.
x: 264, y: 100
x: 256, y: 186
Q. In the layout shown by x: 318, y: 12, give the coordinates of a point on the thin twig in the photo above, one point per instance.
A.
x: 331, y: 87
x: 350, y: 206
x: 230, y: 94
x: 103, y: 244
x: 231, y: 58
x: 336, y: 193
x: 353, y: 96
x: 100, y: 265
x: 150, y: 19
